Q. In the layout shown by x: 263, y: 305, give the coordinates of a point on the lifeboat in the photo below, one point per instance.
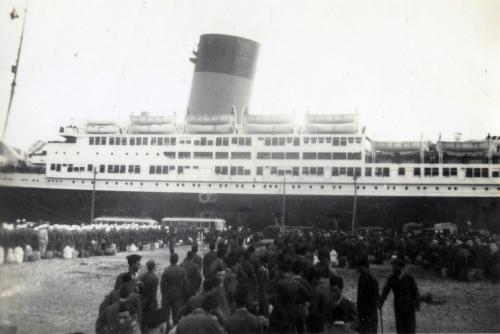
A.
x: 463, y: 147
x: 268, y: 128
x: 209, y: 128
x: 146, y: 119
x: 268, y: 119
x: 209, y: 120
x: 332, y: 118
x: 154, y: 128
x: 101, y: 122
x: 348, y: 128
x: 101, y: 129
x: 400, y: 146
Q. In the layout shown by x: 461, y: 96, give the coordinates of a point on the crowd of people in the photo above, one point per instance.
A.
x: 242, y: 285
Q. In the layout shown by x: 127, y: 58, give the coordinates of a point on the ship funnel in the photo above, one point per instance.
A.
x: 223, y: 75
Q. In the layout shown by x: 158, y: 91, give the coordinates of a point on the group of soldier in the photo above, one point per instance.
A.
x: 242, y: 285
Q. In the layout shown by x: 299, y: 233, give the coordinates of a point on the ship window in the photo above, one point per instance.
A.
x: 103, y: 140
x: 138, y: 141
x: 281, y: 141
x: 343, y: 141
x: 484, y: 172
x: 58, y: 167
x: 416, y: 171
x: 224, y: 170
x: 378, y: 171
x: 354, y: 155
x: 321, y: 140
x: 102, y: 168
x: 278, y: 155
x: 401, y: 171
x: 495, y: 173
x: 477, y: 172
x: 292, y: 155
x: 351, y: 140
x: 233, y: 170
x: 52, y: 166
x: 260, y: 171
x: 111, y: 141
x: 184, y: 155
x: 117, y: 140
x: 124, y: 141
x: 289, y: 140
x: 324, y: 156
x: 225, y: 141
x: 161, y: 141
x: 122, y: 169
x: 91, y: 140
x: 368, y: 171
x: 263, y: 155
x: 274, y: 141
x: 89, y: 168
x: 295, y: 171
x: 151, y: 169
x: 427, y: 171
x: 70, y: 168
x: 158, y: 169
x: 313, y: 140
x: 217, y: 170
x: 453, y: 172
x: 446, y: 172
x: 357, y: 171
x: 132, y: 141
x: 203, y: 141
x: 335, y: 141
x: 240, y: 170
x: 320, y: 171
x: 180, y: 170
x: 234, y: 140
x: 358, y: 140
x: 130, y: 168
x: 241, y: 155
x: 312, y: 171
x: 98, y: 140
x: 306, y: 140
x: 335, y: 171
x: 350, y: 171
x: 267, y: 141
x: 221, y: 155
x: 309, y: 155
x: 144, y: 140
x: 172, y: 141
x: 218, y: 141
x: 339, y: 156
x: 169, y: 154
x: 296, y: 141
x: 153, y: 141
x: 116, y: 169
x: 468, y: 172
x: 342, y: 171
x: 203, y: 155
x: 435, y: 171
x: 241, y: 141
x: 328, y: 140
x: 305, y: 170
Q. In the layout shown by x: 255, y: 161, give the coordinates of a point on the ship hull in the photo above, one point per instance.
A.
x: 253, y: 210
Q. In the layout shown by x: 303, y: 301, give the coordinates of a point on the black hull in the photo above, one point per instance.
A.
x: 73, y: 206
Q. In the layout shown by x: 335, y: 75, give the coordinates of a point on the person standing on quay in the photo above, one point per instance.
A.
x: 406, y: 297
x: 173, y: 286
x: 367, y: 301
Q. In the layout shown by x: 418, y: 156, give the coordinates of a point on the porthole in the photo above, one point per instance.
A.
x: 126, y: 183
x: 357, y: 187
x: 166, y: 184
x: 376, y: 187
x: 177, y: 184
x: 209, y: 185
x: 364, y: 187
x: 486, y: 188
x: 112, y: 153
x: 418, y: 188
x: 265, y: 186
x: 220, y: 185
x: 340, y: 187
x: 106, y: 182
x: 310, y: 187
x: 293, y: 187
x: 147, y: 153
x: 393, y: 188
x: 126, y: 153
x: 388, y: 187
x: 194, y: 185
x: 253, y: 185
x: 182, y: 184
x: 116, y: 183
x: 225, y: 186
x: 437, y: 188
x: 298, y: 186
x: 236, y: 186
x: 156, y: 184
x: 198, y: 185
x: 73, y: 181
x: 323, y: 187
x: 243, y: 186
x: 333, y: 187
x: 455, y: 188
x: 141, y: 183
x: 473, y: 188
x: 131, y: 183
x: 275, y: 186
x: 406, y: 188
x: 136, y: 153
x: 425, y: 188
x: 449, y: 188
x: 157, y: 154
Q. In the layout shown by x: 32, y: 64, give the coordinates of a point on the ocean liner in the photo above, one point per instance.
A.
x: 252, y: 170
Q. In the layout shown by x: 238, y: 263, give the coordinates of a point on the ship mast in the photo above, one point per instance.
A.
x: 15, y: 68
x: 354, y: 207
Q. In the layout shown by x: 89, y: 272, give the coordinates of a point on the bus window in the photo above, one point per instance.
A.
x: 206, y: 224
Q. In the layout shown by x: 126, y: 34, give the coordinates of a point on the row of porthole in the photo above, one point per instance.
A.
x: 264, y: 186
x: 26, y: 180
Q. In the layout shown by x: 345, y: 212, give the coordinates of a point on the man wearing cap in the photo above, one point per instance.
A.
x: 367, y: 300
x: 406, y: 297
x: 173, y: 287
x: 134, y: 263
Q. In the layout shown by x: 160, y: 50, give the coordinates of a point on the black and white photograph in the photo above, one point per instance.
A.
x: 238, y: 167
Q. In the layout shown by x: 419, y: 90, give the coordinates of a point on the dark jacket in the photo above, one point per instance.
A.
x: 173, y: 282
x: 193, y: 277
x: 243, y: 322
x: 406, y: 296
x: 199, y: 322
x: 150, y: 282
x: 368, y: 296
x: 208, y: 259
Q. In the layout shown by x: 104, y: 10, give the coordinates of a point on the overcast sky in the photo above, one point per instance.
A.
x: 407, y: 67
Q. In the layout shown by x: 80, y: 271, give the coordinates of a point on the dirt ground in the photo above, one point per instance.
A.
x: 62, y: 296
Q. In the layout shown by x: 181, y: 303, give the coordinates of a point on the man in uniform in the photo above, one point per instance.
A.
x: 367, y: 300
x: 173, y: 286
x: 406, y: 297
x: 150, y: 282
x: 209, y: 258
